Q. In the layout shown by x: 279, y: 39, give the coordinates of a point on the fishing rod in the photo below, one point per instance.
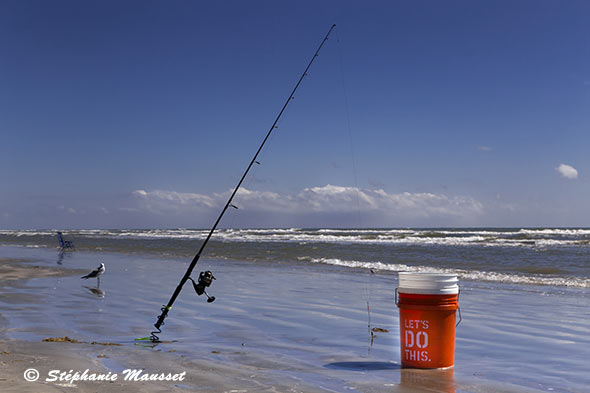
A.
x: 206, y: 278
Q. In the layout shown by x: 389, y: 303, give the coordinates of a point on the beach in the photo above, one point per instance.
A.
x: 278, y: 323
x: 382, y: 197
x: 17, y: 356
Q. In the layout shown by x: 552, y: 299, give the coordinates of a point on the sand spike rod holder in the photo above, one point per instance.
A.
x: 165, y: 309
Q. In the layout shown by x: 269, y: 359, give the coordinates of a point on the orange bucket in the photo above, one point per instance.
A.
x: 428, y: 304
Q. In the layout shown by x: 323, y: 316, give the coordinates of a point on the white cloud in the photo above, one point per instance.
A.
x: 335, y: 202
x: 67, y: 209
x: 164, y: 202
x: 567, y: 171
x: 484, y: 148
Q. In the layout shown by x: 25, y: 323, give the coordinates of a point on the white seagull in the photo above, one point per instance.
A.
x: 95, y: 273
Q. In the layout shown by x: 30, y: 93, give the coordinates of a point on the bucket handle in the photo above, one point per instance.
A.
x: 458, y: 307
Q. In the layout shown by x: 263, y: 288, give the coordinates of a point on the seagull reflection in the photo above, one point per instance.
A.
x: 95, y: 291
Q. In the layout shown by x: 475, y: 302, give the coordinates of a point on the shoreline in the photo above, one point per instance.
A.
x: 549, y: 257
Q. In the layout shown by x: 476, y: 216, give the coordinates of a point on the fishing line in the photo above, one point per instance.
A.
x: 370, y: 272
x: 349, y: 129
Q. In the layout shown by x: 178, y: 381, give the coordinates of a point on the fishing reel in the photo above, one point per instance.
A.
x: 205, y: 280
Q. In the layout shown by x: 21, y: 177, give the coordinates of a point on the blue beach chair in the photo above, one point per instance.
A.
x: 64, y: 244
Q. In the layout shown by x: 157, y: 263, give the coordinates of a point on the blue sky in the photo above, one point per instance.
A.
x: 424, y: 113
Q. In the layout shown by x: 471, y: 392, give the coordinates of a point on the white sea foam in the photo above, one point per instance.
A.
x: 536, y: 239
x: 397, y: 237
x: 22, y: 233
x: 557, y: 231
x: 472, y: 275
x: 527, y: 238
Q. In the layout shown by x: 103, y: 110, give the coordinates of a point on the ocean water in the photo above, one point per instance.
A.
x: 293, y: 303
x: 540, y: 256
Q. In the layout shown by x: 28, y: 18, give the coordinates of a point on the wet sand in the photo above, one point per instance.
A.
x: 17, y: 356
x: 303, y: 339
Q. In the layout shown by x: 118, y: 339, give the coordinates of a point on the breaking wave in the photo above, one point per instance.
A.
x: 472, y: 275
x: 529, y: 238
x: 542, y: 256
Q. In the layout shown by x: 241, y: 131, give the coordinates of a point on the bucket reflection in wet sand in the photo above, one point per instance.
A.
x: 436, y: 380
